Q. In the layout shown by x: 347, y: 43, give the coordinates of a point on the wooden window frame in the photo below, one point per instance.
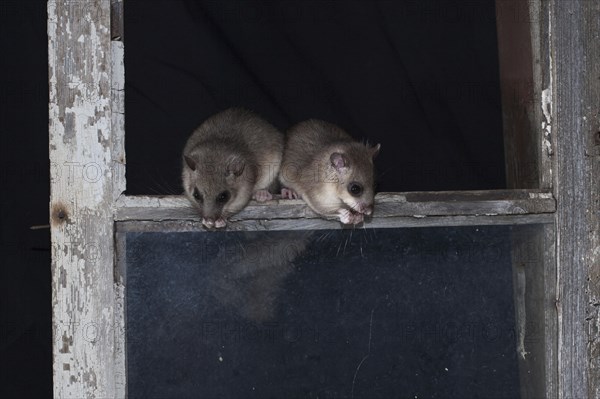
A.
x: 560, y: 156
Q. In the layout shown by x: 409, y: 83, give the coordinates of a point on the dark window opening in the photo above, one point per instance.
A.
x: 420, y: 77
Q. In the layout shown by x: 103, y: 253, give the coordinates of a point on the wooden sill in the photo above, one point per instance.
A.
x: 411, y: 209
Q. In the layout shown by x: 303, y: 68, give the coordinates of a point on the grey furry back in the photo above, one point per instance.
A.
x: 309, y: 139
x: 238, y: 127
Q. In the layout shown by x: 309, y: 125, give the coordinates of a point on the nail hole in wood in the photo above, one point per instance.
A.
x: 59, y: 214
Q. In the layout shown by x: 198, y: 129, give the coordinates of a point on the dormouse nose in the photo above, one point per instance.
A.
x: 210, y: 211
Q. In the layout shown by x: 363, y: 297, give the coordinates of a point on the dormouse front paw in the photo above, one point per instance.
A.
x: 210, y: 223
x: 262, y: 196
x: 288, y: 193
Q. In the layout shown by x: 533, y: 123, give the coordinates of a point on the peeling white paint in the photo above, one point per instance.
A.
x: 547, y: 124
x: 540, y: 195
x: 82, y: 238
x: 547, y: 104
x: 546, y: 139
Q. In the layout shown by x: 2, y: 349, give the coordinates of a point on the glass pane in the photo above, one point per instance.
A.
x: 425, y: 312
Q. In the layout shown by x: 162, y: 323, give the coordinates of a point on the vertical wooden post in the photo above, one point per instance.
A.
x: 575, y: 68
x: 524, y: 63
x: 118, y: 168
x: 83, y: 184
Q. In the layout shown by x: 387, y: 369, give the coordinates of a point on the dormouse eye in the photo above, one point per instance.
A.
x: 197, y: 195
x: 223, y: 197
x: 355, y: 189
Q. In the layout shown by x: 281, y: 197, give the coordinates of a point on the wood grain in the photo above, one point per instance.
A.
x: 82, y: 197
x: 575, y: 55
x: 414, y: 204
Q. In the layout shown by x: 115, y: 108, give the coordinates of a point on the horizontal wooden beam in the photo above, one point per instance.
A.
x: 413, y: 205
x: 322, y: 224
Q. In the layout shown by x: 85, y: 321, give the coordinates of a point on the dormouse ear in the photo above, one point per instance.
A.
x: 235, y: 166
x: 190, y: 162
x: 338, y: 161
x: 375, y: 150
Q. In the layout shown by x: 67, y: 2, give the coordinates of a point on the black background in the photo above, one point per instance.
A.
x: 25, y: 305
x: 419, y: 77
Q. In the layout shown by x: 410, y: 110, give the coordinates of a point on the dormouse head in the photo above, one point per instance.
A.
x: 218, y: 185
x: 353, y: 167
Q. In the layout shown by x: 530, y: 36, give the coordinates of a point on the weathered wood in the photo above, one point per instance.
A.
x: 575, y: 66
x: 118, y: 118
x: 416, y: 204
x: 120, y: 317
x: 81, y: 201
x: 116, y: 20
x: 534, y: 277
x: 548, y: 244
x: 521, y: 149
x: 542, y: 89
x: 322, y: 224
x: 119, y: 185
x: 526, y: 107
